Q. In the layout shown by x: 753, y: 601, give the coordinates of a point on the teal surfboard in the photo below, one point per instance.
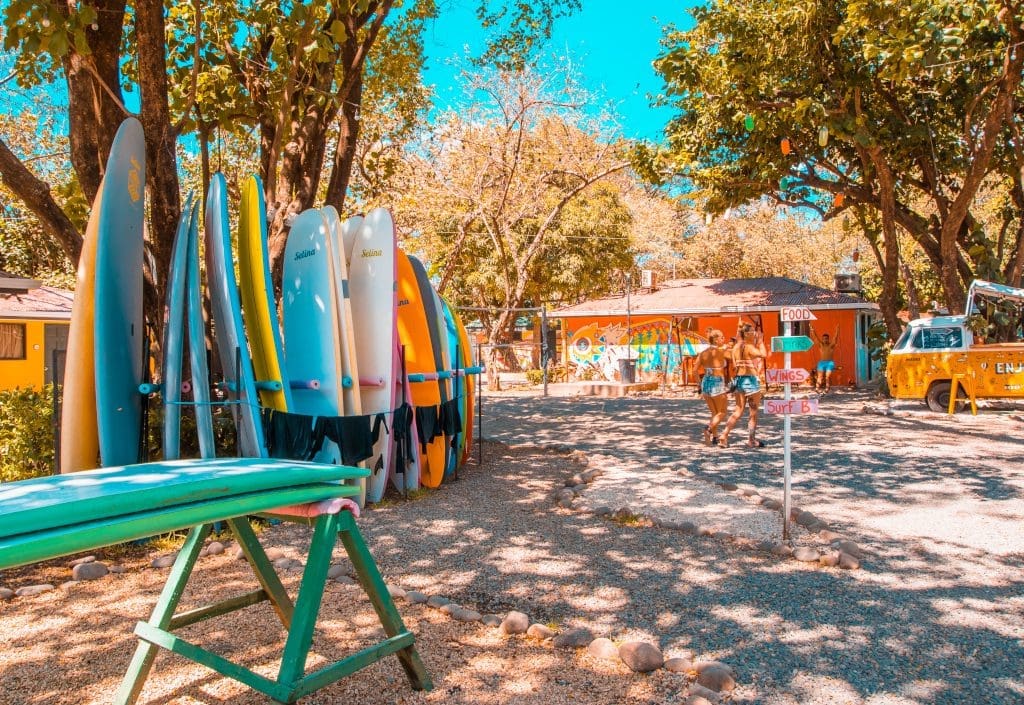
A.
x: 229, y: 332
x: 457, y: 358
x: 119, y: 327
x: 174, y: 334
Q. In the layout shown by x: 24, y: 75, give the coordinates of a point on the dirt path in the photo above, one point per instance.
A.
x: 936, y: 615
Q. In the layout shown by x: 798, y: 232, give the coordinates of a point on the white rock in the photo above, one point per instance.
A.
x: 89, y: 571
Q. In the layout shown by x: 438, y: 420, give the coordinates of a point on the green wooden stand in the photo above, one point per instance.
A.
x: 299, y: 618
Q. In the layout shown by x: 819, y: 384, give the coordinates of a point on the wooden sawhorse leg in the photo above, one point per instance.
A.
x: 299, y: 619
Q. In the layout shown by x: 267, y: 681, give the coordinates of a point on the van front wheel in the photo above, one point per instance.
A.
x: 938, y: 398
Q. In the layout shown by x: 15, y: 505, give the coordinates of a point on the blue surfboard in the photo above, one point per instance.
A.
x: 174, y: 334
x: 229, y: 332
x: 197, y: 344
x: 119, y: 328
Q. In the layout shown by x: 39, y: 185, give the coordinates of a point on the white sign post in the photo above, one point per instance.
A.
x: 788, y: 315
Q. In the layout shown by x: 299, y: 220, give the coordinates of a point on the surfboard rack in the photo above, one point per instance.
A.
x: 346, y: 382
x: 269, y: 385
x: 444, y: 374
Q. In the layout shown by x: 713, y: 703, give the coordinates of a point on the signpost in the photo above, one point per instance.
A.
x: 789, y: 343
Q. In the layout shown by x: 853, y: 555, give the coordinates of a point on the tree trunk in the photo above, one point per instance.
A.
x: 161, y: 161
x: 913, y: 299
x: 345, y: 152
x: 890, y: 272
x: 37, y: 196
x: 95, y: 103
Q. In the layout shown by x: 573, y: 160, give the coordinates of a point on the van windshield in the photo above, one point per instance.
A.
x: 938, y: 338
x: 901, y: 343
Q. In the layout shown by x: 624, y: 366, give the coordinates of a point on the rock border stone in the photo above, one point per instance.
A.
x: 711, y: 678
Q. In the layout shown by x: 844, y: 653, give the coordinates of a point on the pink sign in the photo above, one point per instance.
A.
x: 792, y: 406
x: 787, y: 376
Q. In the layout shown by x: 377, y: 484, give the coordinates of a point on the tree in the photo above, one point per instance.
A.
x: 22, y: 250
x: 904, y: 111
x: 763, y: 239
x: 512, y: 202
x: 296, y: 72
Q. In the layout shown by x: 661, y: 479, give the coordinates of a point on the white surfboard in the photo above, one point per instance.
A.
x: 351, y: 403
x: 374, y: 304
x: 349, y: 230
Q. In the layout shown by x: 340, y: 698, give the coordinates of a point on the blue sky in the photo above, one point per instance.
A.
x: 612, y: 46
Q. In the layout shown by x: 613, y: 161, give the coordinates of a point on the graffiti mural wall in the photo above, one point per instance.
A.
x: 658, y: 345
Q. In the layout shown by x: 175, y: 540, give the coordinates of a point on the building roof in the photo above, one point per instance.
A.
x: 710, y: 296
x: 43, y: 302
x: 14, y: 283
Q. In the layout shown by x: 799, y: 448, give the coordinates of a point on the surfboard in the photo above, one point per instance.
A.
x: 259, y: 312
x: 349, y: 230
x: 406, y: 478
x: 374, y: 300
x: 414, y: 334
x: 461, y: 358
x: 470, y: 389
x: 79, y: 436
x: 197, y: 351
x: 174, y: 335
x: 439, y: 344
x: 312, y: 342
x: 229, y: 331
x: 457, y: 385
x: 119, y: 330
x: 350, y: 394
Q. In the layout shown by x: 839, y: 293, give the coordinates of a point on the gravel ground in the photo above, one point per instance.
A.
x: 936, y: 614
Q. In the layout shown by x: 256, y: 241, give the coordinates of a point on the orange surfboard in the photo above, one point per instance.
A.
x: 414, y: 334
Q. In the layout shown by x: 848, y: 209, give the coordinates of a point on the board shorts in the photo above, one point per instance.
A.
x: 747, y: 384
x: 712, y: 386
x: 827, y: 366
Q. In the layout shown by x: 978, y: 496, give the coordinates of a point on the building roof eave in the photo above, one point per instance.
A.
x: 727, y: 310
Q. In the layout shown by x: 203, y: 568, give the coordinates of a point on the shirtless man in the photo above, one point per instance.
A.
x: 827, y: 364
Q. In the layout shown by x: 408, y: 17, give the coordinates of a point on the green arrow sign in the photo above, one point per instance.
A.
x: 791, y: 343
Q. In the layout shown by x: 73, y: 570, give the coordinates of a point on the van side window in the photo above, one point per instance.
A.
x: 938, y: 338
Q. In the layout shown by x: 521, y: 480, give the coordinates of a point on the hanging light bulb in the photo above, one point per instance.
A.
x: 838, y: 201
x: 786, y: 146
x: 823, y: 136
x: 748, y: 122
x: 708, y: 218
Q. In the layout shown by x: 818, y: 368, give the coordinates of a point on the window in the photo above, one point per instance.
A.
x: 12, y: 341
x: 938, y: 338
x: 798, y: 327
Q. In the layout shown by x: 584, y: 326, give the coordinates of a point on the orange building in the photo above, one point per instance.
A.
x: 666, y: 325
x: 34, y: 323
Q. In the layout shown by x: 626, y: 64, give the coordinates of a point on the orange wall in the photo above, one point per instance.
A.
x: 828, y: 321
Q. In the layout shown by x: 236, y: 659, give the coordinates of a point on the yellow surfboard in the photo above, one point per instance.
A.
x: 257, y: 293
x: 79, y: 433
x: 414, y: 334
